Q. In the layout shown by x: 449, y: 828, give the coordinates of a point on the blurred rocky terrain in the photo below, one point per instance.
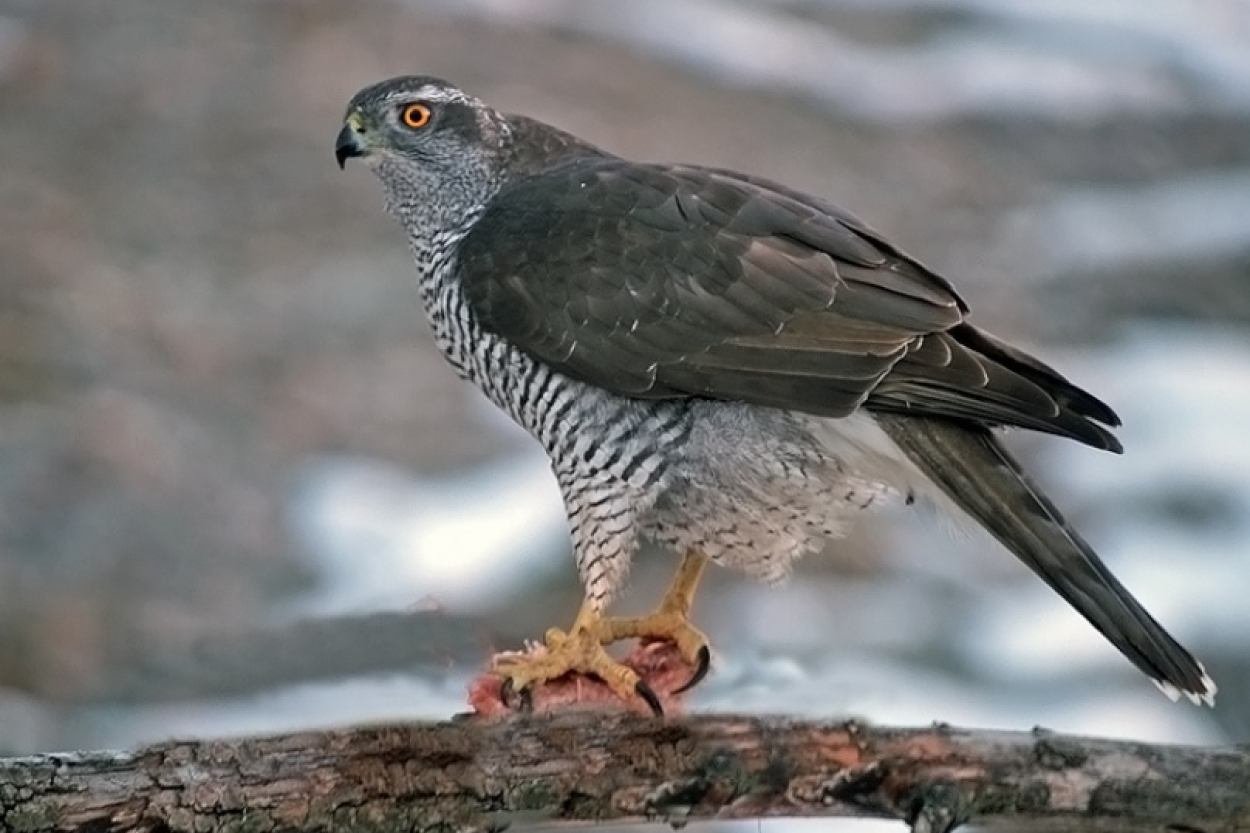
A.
x: 198, y: 310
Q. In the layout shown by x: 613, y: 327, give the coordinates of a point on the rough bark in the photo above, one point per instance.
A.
x: 474, y: 775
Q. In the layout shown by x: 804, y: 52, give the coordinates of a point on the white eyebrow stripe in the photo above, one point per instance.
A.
x: 439, y: 95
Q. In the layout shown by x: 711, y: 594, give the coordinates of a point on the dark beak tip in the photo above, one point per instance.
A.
x: 346, y: 146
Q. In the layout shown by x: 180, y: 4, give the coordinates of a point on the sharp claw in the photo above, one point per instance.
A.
x: 648, y: 694
x: 525, y: 699
x: 506, y: 692
x: 704, y: 660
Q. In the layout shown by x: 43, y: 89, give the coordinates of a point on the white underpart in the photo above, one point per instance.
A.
x: 868, y: 450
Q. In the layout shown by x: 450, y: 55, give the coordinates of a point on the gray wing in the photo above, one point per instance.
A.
x: 673, y: 281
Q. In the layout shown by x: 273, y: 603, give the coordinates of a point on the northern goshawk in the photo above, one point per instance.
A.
x: 722, y: 364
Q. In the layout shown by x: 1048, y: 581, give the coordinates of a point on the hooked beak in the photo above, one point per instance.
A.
x: 349, y: 143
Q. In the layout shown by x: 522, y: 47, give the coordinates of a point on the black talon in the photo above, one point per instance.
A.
x: 647, y: 693
x: 705, y: 662
x: 525, y: 700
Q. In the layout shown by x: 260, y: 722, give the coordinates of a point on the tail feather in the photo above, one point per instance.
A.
x: 985, y: 481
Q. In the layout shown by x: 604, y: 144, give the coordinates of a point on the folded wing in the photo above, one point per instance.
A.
x: 667, y: 281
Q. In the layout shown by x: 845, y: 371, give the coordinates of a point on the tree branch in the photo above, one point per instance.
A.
x: 475, y: 775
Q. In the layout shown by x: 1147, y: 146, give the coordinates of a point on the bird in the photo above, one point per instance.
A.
x: 720, y: 364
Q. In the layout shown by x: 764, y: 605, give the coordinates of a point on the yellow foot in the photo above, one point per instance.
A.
x: 671, y: 621
x: 579, y: 651
x: 668, y: 624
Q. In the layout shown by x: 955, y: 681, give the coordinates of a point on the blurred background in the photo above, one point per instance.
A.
x: 240, y: 492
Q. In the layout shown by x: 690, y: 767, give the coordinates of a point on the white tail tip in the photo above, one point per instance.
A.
x: 1203, y: 697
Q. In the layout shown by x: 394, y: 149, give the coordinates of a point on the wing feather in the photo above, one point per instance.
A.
x: 678, y: 281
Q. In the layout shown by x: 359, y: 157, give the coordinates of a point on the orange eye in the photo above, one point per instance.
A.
x: 416, y: 115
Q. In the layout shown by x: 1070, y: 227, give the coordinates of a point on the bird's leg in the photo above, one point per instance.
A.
x: 579, y: 650
x: 670, y: 621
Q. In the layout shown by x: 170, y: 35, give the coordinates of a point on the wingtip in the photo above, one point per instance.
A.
x: 1202, y: 696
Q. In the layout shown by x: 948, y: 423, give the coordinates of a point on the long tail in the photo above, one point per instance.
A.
x: 982, y: 478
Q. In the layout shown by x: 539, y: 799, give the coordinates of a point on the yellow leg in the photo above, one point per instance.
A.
x: 580, y: 649
x: 671, y: 620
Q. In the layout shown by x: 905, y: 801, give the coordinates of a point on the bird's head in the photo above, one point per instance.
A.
x: 431, y: 144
